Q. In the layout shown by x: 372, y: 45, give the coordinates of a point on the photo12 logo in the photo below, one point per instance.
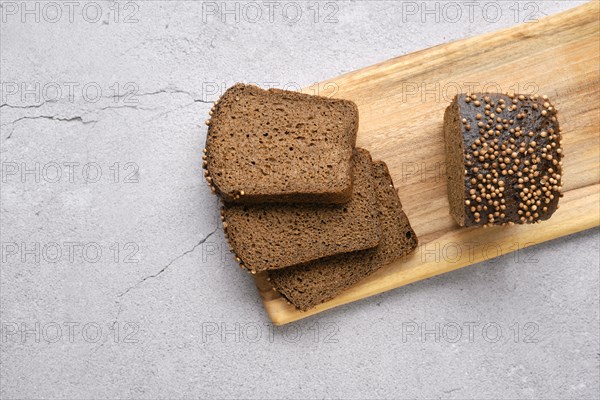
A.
x: 211, y: 91
x: 69, y: 332
x: 69, y: 172
x: 289, y: 12
x: 413, y: 91
x: 470, y: 331
x: 423, y: 172
x: 53, y: 12
x: 12, y: 93
x: 253, y: 332
x: 469, y: 11
x: 69, y: 252
x: 472, y: 251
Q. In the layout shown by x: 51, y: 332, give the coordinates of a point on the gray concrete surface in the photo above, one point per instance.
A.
x: 115, y: 278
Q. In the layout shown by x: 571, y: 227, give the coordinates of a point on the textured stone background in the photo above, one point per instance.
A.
x: 120, y: 285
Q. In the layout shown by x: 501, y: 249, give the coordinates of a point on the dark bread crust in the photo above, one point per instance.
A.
x: 503, y: 157
x: 277, y: 146
x: 271, y: 236
x: 308, y: 285
x: 455, y: 163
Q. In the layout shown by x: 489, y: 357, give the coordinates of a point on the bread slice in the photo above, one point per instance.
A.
x: 266, y: 146
x: 503, y: 156
x: 308, y: 285
x: 271, y: 236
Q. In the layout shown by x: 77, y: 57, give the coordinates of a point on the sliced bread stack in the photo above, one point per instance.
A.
x: 300, y: 201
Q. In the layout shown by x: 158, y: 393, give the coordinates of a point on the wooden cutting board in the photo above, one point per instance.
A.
x: 402, y: 103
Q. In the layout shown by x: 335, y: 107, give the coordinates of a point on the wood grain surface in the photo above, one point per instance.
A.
x: 402, y: 103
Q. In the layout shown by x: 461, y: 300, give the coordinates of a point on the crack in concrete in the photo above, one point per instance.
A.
x: 179, y: 108
x: 85, y: 122
x: 124, y: 106
x: 161, y: 91
x: 170, y: 91
x: 49, y: 117
x: 177, y: 91
x: 452, y: 390
x: 29, y: 106
x: 71, y: 119
x: 166, y: 266
x: 53, y: 118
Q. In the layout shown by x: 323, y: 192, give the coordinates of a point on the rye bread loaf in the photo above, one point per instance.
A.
x: 503, y: 156
x: 276, y: 146
x: 271, y: 236
x: 308, y: 285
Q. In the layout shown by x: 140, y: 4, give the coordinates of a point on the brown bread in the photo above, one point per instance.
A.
x: 503, y: 156
x: 271, y: 236
x: 308, y: 285
x: 276, y: 146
